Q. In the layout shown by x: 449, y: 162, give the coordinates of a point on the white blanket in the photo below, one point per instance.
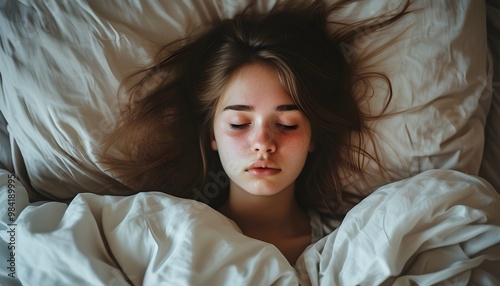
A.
x: 439, y: 226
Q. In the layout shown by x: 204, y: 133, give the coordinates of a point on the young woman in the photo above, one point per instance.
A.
x: 267, y: 99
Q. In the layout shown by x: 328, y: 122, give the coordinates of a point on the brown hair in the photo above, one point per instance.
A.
x: 164, y: 133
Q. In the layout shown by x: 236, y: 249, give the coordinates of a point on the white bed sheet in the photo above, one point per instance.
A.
x: 437, y: 227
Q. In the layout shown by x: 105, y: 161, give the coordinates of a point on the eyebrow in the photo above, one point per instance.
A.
x: 241, y: 107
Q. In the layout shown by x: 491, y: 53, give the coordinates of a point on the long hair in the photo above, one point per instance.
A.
x: 165, y: 131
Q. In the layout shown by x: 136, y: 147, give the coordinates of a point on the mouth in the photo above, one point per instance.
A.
x: 263, y: 171
x: 263, y: 168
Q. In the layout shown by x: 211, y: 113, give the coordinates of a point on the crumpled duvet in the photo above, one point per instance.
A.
x: 436, y: 227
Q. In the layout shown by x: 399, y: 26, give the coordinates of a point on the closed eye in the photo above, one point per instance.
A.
x: 280, y: 127
x: 283, y: 127
x: 237, y: 126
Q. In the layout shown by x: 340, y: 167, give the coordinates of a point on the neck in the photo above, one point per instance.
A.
x: 264, y: 217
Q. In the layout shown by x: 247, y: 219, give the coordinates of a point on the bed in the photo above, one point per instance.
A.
x: 434, y: 218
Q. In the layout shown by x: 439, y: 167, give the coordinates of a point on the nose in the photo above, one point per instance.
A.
x: 264, y: 141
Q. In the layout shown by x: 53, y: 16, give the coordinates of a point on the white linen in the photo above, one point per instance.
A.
x: 62, y: 63
x: 437, y: 227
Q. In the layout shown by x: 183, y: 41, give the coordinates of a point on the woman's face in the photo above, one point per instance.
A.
x: 260, y: 135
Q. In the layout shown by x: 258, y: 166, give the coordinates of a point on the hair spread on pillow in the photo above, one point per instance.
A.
x: 165, y: 130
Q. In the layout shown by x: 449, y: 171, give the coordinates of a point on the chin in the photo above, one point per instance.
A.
x: 265, y: 190
x: 262, y: 193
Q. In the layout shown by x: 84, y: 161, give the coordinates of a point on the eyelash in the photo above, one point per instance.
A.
x: 281, y: 127
x: 237, y: 126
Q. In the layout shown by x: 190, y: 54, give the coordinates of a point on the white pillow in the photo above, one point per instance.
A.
x: 62, y: 62
x: 437, y: 62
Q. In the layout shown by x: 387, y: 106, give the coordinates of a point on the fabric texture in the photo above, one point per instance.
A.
x: 437, y: 228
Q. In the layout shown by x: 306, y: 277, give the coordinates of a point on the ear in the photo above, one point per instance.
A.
x: 311, y: 146
x: 213, y: 143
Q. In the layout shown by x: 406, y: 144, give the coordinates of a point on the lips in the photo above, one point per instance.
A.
x: 263, y: 168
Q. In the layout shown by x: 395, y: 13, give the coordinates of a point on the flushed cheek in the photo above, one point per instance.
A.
x: 293, y: 140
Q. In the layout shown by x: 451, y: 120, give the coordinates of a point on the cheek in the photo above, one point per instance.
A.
x: 229, y: 145
x: 295, y: 142
x: 232, y: 154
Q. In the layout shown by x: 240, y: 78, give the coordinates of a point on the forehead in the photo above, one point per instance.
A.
x: 256, y: 85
